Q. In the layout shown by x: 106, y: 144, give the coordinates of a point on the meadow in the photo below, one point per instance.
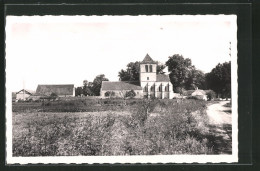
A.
x: 111, y: 127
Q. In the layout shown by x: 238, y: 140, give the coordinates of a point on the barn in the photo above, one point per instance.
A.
x: 61, y: 90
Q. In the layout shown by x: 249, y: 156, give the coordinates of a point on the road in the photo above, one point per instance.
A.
x: 220, y: 125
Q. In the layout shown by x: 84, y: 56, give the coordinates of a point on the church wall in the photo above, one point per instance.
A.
x: 121, y: 93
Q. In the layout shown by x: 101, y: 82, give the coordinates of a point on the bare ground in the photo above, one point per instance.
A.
x: 220, y: 127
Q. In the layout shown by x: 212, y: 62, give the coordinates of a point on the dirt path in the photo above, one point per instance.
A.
x: 220, y: 126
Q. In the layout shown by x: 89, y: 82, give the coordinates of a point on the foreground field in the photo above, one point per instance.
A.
x: 143, y: 128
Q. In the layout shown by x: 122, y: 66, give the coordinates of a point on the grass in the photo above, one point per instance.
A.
x: 139, y: 127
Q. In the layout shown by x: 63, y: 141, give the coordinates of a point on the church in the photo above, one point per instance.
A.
x: 150, y: 85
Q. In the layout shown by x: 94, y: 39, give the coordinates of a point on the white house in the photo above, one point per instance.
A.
x: 23, y: 94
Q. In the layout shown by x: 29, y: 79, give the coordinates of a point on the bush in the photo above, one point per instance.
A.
x: 153, y: 127
x: 130, y: 94
x: 109, y: 93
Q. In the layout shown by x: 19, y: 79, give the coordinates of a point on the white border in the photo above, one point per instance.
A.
x: 128, y: 159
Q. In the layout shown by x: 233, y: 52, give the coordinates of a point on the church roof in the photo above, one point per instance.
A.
x: 120, y: 85
x: 162, y: 78
x: 148, y: 60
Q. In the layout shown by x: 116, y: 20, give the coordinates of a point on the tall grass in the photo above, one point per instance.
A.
x: 153, y: 127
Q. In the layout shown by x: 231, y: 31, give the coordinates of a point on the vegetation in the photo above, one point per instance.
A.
x: 109, y: 93
x: 183, y: 74
x: 130, y: 94
x: 219, y: 79
x: 91, y: 88
x: 142, y: 127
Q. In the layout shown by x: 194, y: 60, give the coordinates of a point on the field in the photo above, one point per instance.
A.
x: 112, y: 127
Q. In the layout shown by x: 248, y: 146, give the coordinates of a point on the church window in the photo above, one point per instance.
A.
x: 146, y: 68
x: 160, y: 88
x: 151, y: 68
x: 147, y: 78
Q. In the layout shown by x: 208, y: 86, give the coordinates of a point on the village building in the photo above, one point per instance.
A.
x: 22, y: 94
x: 150, y: 85
x: 199, y: 94
x: 62, y: 90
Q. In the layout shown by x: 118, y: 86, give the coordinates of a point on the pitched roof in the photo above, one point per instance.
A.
x: 63, y: 89
x: 120, y: 85
x: 148, y: 60
x: 194, y: 92
x: 162, y: 78
x: 198, y: 93
x: 25, y: 91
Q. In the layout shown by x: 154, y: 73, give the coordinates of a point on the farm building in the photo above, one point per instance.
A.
x: 23, y: 94
x: 62, y: 90
x: 200, y: 94
x: 150, y: 85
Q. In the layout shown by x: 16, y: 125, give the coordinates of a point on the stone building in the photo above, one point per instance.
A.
x: 150, y: 84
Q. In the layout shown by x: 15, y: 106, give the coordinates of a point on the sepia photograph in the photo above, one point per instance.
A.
x: 121, y: 89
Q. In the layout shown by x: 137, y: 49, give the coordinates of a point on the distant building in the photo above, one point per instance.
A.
x: 23, y: 94
x: 150, y: 84
x: 200, y: 94
x: 63, y: 90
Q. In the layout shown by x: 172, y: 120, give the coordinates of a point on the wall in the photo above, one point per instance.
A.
x: 139, y: 93
x: 22, y: 96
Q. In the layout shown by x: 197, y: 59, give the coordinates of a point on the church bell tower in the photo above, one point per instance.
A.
x: 147, y: 71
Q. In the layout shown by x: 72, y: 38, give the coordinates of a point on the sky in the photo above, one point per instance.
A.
x: 70, y: 49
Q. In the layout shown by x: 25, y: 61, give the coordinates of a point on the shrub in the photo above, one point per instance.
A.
x: 109, y: 93
x: 130, y: 94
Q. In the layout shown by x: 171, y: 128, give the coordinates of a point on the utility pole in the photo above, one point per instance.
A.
x: 23, y: 89
x: 230, y: 49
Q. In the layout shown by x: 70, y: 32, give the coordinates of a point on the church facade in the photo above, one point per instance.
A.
x: 150, y: 85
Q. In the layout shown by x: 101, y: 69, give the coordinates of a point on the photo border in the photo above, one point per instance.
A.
x: 243, y: 12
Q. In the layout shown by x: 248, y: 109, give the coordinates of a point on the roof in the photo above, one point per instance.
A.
x: 148, y: 60
x: 120, y: 85
x: 194, y: 93
x: 25, y: 91
x: 162, y: 78
x: 198, y: 93
x: 62, y: 89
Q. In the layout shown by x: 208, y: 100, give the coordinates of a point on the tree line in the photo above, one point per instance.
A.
x: 183, y: 75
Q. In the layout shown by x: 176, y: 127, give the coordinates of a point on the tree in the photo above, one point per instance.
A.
x: 196, y: 79
x: 219, y: 79
x: 133, y: 71
x: 183, y: 74
x: 78, y: 91
x: 97, y: 84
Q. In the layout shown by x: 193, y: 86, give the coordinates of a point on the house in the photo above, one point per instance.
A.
x: 150, y: 83
x: 199, y: 94
x: 62, y: 90
x: 23, y: 94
